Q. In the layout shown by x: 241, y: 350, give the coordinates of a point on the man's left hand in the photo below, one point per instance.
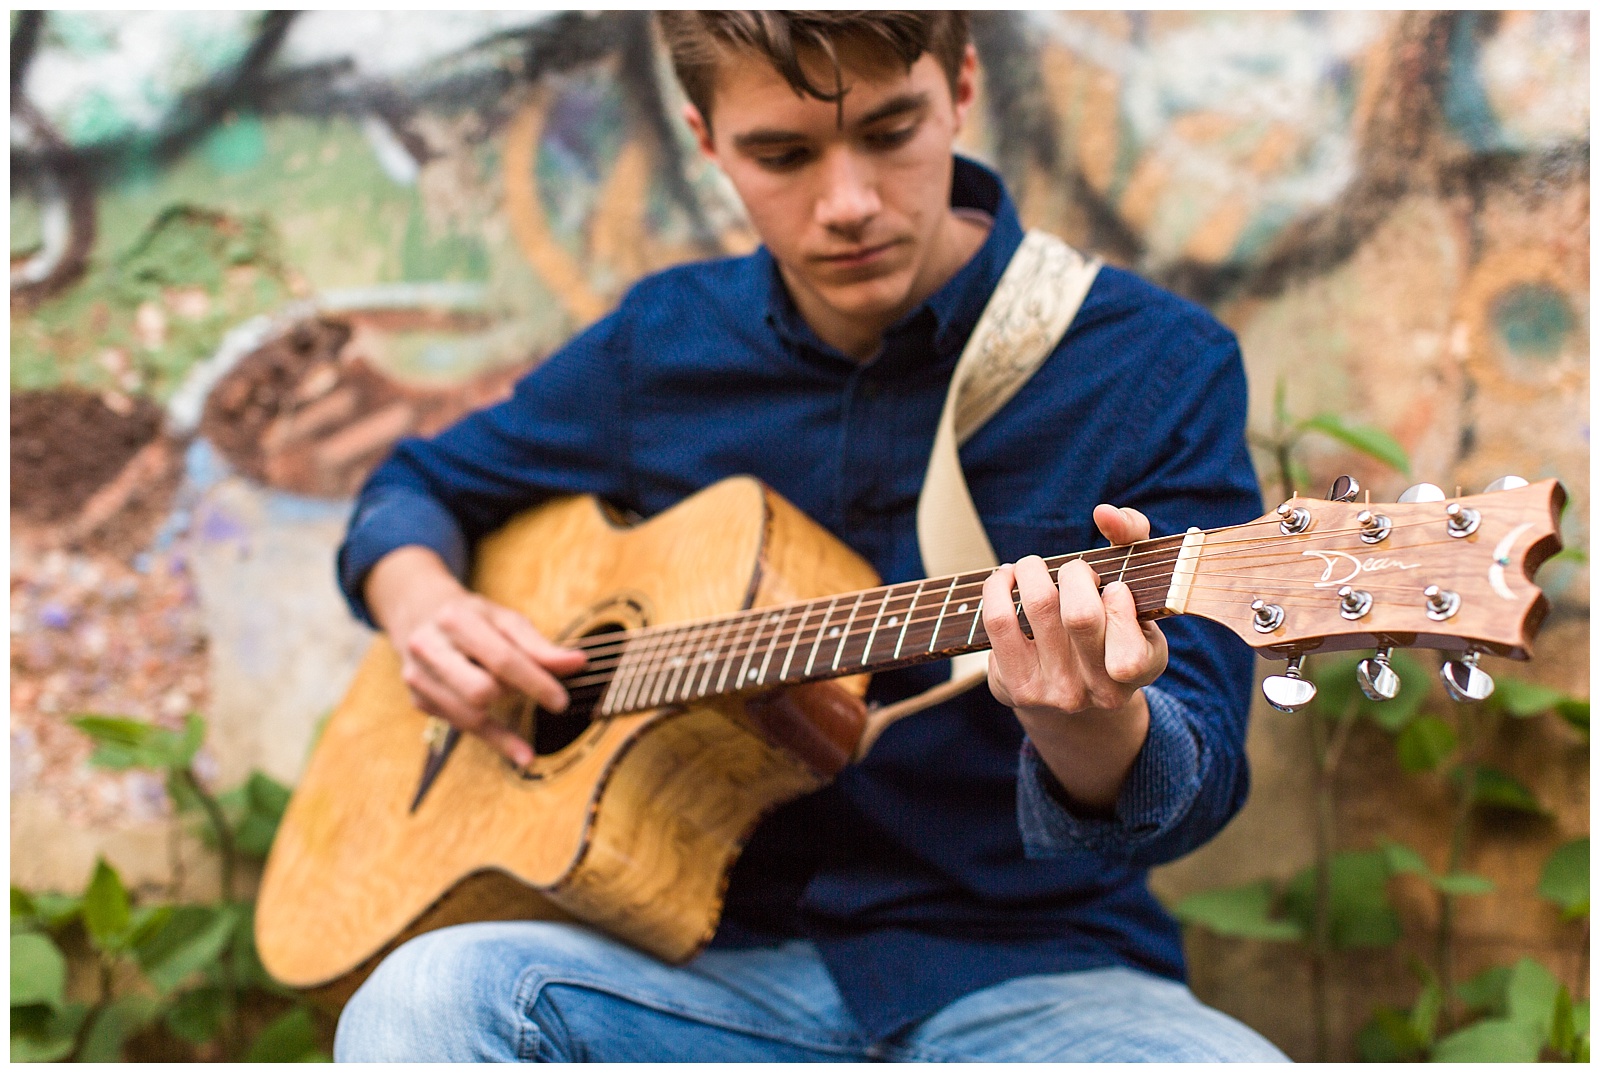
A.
x: 1076, y: 685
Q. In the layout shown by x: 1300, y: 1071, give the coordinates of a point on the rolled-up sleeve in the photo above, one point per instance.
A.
x: 1160, y: 790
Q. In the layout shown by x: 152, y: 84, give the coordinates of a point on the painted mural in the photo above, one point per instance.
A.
x: 249, y: 251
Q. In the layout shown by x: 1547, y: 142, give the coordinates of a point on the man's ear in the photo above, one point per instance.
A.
x: 966, y: 84
x: 701, y: 129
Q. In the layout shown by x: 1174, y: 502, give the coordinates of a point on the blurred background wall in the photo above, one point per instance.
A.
x: 249, y: 251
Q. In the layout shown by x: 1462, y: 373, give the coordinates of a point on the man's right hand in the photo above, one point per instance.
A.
x: 460, y: 653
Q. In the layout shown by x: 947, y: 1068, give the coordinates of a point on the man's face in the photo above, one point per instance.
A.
x: 857, y: 215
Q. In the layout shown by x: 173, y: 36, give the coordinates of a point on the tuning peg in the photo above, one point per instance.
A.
x: 1288, y: 692
x: 1422, y: 493
x: 1376, y: 678
x: 1344, y: 489
x: 1506, y: 483
x: 1464, y: 681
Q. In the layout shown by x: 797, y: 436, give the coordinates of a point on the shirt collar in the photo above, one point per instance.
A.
x: 955, y: 307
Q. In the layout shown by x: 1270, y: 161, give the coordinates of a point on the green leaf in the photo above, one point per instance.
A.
x: 1425, y: 1014
x: 55, y: 910
x: 1531, y: 995
x: 1238, y: 912
x: 1524, y: 699
x: 291, y: 1038
x: 1563, y: 1033
x: 202, y: 942
x: 1402, y: 859
x: 247, y: 968
x: 1388, y: 1037
x: 1490, y: 1041
x: 197, y: 1015
x: 1424, y: 744
x: 1486, y: 992
x: 1368, y: 439
x: 38, y: 972
x: 1496, y: 789
x: 105, y: 908
x: 1565, y: 879
x: 40, y: 1034
x: 1358, y: 902
x: 265, y: 801
x: 22, y: 906
x: 1575, y: 712
x: 117, y: 1022
x: 125, y: 743
x: 1464, y: 883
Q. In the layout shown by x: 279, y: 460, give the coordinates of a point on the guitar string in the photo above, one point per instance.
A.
x: 600, y: 673
x: 669, y: 655
x: 1296, y: 598
x: 620, y: 643
x: 1210, y: 549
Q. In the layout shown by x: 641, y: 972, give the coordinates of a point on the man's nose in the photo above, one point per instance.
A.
x: 849, y: 195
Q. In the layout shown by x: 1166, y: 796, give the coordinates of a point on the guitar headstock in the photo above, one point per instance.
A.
x: 1325, y: 575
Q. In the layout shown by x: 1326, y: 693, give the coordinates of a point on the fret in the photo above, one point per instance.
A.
x: 944, y: 605
x: 977, y: 617
x: 668, y: 659
x: 778, y: 629
x: 709, y: 657
x: 733, y: 652
x: 783, y: 672
x: 911, y: 613
x: 883, y: 605
x: 1122, y: 573
x: 844, y: 637
x: 641, y: 682
x: 821, y: 629
x: 684, y: 659
x: 622, y: 681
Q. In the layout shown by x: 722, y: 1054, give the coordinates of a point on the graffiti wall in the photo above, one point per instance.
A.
x: 251, y: 250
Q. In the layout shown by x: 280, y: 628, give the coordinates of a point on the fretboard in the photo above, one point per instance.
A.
x: 852, y: 633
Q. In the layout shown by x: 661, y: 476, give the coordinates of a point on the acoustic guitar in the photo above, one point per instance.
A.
x: 729, y: 642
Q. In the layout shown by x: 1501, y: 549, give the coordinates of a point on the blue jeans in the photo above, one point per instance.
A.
x: 537, y: 991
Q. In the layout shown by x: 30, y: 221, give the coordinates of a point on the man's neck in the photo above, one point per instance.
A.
x: 861, y: 337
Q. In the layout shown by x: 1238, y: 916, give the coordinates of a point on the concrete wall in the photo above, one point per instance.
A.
x: 285, y: 240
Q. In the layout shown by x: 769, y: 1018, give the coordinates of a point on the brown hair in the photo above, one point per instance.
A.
x: 696, y: 40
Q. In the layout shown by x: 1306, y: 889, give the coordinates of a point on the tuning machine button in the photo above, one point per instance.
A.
x: 1268, y: 617
x: 1344, y: 489
x: 1376, y: 678
x: 1506, y: 483
x: 1463, y: 680
x: 1354, y: 603
x: 1442, y: 603
x: 1374, y: 527
x: 1423, y: 493
x: 1295, y: 519
x: 1289, y: 692
x: 1463, y: 521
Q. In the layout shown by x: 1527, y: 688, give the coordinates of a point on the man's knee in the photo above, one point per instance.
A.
x: 447, y: 995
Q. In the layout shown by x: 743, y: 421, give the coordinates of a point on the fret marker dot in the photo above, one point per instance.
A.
x: 961, y: 609
x: 893, y: 619
x: 834, y: 632
x: 754, y: 673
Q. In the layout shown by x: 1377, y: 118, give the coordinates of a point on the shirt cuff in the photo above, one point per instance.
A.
x: 394, y: 518
x: 1159, y: 791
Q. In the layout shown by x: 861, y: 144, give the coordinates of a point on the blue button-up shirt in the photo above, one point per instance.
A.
x: 946, y: 860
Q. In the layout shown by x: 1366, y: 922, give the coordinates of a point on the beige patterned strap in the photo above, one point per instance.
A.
x: 1035, y: 301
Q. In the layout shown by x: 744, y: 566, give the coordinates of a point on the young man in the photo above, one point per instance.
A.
x: 974, y: 889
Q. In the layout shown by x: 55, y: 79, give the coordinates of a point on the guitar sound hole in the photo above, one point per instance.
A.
x: 553, y: 732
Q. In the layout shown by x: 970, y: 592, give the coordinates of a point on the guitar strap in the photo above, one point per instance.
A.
x: 1038, y: 295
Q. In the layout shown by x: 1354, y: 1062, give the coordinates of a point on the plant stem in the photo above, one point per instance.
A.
x: 1444, y: 944
x: 1321, y: 924
x: 225, y: 851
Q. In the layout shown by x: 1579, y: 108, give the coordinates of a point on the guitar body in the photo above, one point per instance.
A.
x: 633, y: 823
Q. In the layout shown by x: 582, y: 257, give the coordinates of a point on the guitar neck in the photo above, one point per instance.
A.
x: 868, y: 631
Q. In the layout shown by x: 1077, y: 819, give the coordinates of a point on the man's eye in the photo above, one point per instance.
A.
x: 782, y: 161
x: 891, y: 139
